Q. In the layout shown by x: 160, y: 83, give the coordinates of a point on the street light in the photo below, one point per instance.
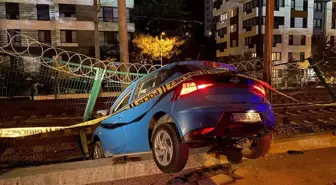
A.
x: 162, y: 33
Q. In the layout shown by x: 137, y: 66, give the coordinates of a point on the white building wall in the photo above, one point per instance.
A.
x: 28, y: 23
x: 284, y: 30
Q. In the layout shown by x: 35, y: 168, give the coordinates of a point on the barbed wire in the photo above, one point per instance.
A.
x: 84, y: 66
x: 72, y: 62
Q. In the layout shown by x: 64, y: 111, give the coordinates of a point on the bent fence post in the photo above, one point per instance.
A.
x: 90, y: 106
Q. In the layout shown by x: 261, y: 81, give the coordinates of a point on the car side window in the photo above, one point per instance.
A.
x: 123, y: 102
x: 145, y: 85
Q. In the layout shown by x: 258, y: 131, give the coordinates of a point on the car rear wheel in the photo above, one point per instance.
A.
x: 98, y: 151
x: 259, y: 147
x: 169, y: 153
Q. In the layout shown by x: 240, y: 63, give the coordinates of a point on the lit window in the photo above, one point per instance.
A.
x: 276, y: 56
x: 223, y: 17
x: 233, y: 28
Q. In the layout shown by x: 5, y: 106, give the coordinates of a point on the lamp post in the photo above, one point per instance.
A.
x: 162, y: 33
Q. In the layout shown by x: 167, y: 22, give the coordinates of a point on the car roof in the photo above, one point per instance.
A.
x: 200, y: 63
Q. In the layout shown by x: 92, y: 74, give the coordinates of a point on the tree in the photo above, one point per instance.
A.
x: 324, y: 53
x: 153, y: 47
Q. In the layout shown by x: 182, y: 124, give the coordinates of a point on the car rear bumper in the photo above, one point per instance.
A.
x: 219, y: 117
x: 229, y: 131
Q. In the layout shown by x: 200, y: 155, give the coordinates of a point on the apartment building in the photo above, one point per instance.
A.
x: 209, y: 25
x: 61, y: 23
x: 297, y: 24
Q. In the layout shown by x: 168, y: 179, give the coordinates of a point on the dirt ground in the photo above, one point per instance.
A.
x: 316, y: 167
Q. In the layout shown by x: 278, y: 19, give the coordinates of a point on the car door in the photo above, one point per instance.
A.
x: 113, y: 136
x: 137, y: 130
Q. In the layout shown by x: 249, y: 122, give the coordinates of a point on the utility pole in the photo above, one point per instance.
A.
x: 96, y: 6
x: 123, y: 36
x: 268, y: 44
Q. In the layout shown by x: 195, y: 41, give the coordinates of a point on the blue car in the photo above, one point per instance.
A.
x: 222, y: 110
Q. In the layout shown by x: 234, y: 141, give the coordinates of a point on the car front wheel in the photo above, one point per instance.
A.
x: 98, y: 151
x: 170, y: 154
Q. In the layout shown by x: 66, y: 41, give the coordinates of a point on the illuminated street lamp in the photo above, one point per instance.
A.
x: 162, y: 33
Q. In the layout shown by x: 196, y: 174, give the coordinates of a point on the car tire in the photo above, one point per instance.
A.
x: 261, y: 146
x: 98, y: 151
x: 169, y: 153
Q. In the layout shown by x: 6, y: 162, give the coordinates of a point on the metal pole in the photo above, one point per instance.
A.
x: 96, y: 6
x: 123, y: 36
x: 268, y: 43
x: 161, y: 48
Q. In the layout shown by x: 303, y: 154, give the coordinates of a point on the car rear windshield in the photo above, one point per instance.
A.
x: 190, y: 68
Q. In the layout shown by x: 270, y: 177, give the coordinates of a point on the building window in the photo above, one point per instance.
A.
x: 44, y: 36
x: 332, y: 40
x: 318, y: 23
x: 303, y: 40
x: 248, y: 7
x: 334, y: 7
x: 222, y: 18
x: 222, y: 32
x: 276, y: 56
x: 302, y: 56
x: 290, y: 56
x: 233, y: 43
x: 68, y: 36
x: 304, y: 23
x: 276, y: 39
x: 233, y: 28
x: 108, y: 37
x: 233, y: 12
x: 315, y: 39
x: 278, y: 4
x: 293, y: 4
x: 290, y: 40
x: 67, y: 10
x: 42, y: 12
x: 333, y: 24
x: 14, y: 37
x: 292, y: 22
x: 318, y: 6
x: 12, y: 11
x: 222, y: 46
x: 107, y: 14
x: 305, y: 5
x: 217, y: 4
x: 278, y: 21
x: 249, y: 23
x: 249, y: 42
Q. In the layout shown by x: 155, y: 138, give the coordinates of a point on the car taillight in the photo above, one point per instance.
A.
x: 202, y: 131
x: 259, y: 89
x: 192, y: 86
x: 213, y: 64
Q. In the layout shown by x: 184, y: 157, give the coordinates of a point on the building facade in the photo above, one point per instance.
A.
x: 297, y: 23
x: 61, y: 23
x: 209, y: 22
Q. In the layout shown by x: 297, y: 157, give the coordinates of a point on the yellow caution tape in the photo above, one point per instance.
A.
x: 28, y: 131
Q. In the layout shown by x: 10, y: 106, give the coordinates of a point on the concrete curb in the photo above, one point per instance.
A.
x: 86, y: 172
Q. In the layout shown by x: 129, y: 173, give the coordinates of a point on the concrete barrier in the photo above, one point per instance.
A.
x: 103, y: 170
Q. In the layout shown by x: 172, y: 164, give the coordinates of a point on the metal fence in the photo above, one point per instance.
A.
x: 53, y: 87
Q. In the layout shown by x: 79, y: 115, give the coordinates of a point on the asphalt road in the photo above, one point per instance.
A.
x: 316, y: 167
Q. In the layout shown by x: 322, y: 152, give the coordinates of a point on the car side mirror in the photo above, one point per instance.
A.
x: 102, y: 112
